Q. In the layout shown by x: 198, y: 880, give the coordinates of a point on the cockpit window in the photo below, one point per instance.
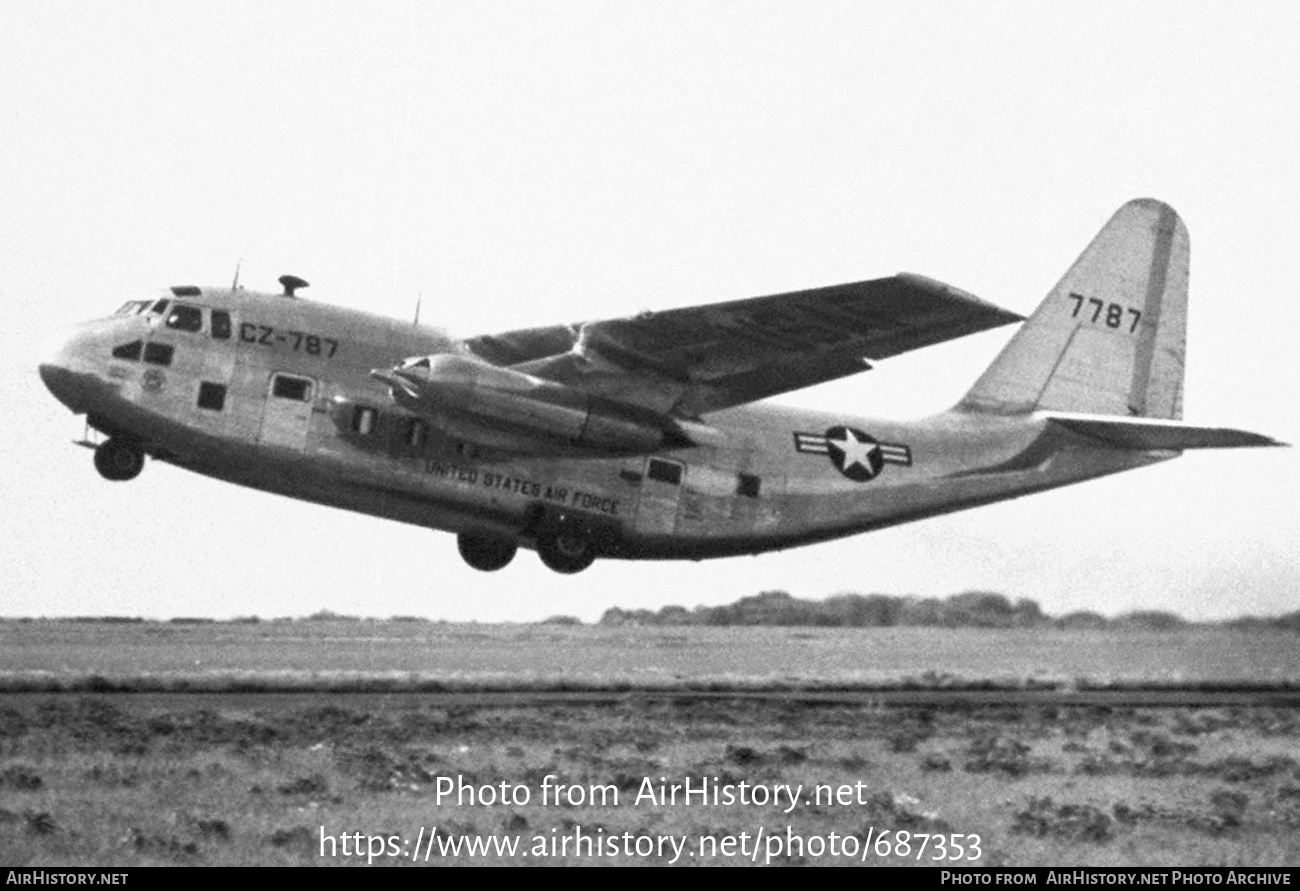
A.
x: 160, y: 307
x: 129, y: 351
x: 220, y: 324
x: 184, y: 317
x: 422, y: 362
x: 133, y: 307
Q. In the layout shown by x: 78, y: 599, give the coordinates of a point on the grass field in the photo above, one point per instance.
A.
x: 246, y: 779
x: 316, y: 650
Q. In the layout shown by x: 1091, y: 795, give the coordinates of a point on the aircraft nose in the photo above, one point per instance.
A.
x: 58, y: 369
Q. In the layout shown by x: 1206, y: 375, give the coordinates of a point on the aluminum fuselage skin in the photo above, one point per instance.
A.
x: 757, y: 489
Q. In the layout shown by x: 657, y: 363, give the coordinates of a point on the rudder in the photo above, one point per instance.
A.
x: 1110, y: 338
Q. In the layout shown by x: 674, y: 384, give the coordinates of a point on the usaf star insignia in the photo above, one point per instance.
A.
x: 855, y: 454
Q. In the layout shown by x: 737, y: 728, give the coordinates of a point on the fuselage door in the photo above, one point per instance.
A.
x: 661, y: 490
x: 287, y: 416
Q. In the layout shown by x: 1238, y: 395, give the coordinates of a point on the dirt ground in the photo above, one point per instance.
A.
x: 124, y: 779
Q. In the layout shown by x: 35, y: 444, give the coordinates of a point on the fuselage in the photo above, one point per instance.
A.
x: 277, y: 393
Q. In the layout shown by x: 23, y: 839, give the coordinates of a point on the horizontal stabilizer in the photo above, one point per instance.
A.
x: 1149, y: 434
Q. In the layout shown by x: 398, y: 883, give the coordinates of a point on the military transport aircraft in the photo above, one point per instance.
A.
x: 636, y: 438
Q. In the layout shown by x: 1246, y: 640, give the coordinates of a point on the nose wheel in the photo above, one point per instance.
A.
x: 119, y: 460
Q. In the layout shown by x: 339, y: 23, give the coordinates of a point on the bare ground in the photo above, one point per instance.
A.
x: 219, y: 779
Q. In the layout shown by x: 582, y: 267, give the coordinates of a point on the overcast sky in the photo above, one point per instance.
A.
x: 528, y: 163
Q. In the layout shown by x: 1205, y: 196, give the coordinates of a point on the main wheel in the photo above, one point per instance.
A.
x: 566, y: 551
x: 484, y: 552
x: 119, y: 460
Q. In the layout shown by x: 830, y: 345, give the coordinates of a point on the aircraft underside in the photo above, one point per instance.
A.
x: 1019, y: 459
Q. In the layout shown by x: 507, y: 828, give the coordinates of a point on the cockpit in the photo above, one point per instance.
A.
x: 181, y: 316
x: 136, y: 307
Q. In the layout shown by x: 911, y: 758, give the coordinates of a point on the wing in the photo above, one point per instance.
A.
x: 690, y: 361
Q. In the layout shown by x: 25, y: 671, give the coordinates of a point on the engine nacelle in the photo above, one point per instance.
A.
x: 500, y: 408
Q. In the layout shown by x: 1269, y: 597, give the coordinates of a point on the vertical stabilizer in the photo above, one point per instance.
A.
x: 1110, y: 339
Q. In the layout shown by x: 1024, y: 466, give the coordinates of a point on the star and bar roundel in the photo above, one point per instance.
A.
x: 855, y: 454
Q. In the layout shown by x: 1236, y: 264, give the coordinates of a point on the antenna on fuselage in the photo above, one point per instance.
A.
x: 291, y: 283
x: 234, y: 285
x: 419, y: 298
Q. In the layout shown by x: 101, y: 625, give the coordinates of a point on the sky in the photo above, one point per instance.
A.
x: 519, y: 164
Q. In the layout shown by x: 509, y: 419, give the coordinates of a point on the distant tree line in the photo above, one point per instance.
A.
x: 971, y: 609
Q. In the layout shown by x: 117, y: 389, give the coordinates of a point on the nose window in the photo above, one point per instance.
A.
x: 129, y: 351
x: 158, y: 353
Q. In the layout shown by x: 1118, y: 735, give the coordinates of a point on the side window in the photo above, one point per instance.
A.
x: 184, y: 317
x: 665, y: 471
x: 748, y: 485
x: 130, y: 351
x: 220, y: 324
x: 416, y: 433
x: 285, y: 386
x: 212, y: 396
x: 158, y: 353
x: 363, y: 420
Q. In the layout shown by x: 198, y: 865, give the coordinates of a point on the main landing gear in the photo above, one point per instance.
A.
x: 567, y: 543
x: 119, y: 459
x: 566, y: 550
x: 484, y: 552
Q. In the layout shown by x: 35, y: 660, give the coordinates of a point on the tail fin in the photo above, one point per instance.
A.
x: 1110, y: 338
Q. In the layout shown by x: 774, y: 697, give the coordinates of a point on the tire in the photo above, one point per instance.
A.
x: 485, y: 553
x: 119, y: 460
x: 566, y: 552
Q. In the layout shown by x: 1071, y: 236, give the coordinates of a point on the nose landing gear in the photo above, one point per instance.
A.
x: 119, y: 459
